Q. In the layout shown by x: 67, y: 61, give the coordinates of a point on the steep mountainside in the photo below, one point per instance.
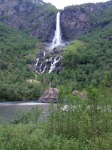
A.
x: 39, y: 19
x: 80, y: 19
x: 34, y: 17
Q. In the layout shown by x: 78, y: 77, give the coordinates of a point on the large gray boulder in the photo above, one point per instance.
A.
x: 50, y: 95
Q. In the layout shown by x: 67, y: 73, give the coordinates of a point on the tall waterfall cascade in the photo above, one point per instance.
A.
x: 57, y: 41
x: 50, y: 60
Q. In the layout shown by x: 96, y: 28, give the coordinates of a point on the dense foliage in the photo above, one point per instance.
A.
x: 93, y: 60
x: 88, y: 59
x: 80, y: 125
x: 17, y: 52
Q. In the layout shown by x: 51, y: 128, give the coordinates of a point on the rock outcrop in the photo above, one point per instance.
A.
x: 80, y: 19
x: 77, y: 20
x: 35, y: 17
x: 50, y: 95
x: 38, y: 18
x: 48, y: 61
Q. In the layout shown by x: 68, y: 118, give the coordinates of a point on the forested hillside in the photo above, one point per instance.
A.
x: 86, y: 61
x: 17, y: 52
x: 92, y: 60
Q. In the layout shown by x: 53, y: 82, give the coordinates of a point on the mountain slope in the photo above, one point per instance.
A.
x: 34, y: 17
x: 17, y: 52
x: 87, y: 60
x: 81, y: 19
x: 38, y: 19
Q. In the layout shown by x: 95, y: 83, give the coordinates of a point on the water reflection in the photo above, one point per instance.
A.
x: 8, y: 110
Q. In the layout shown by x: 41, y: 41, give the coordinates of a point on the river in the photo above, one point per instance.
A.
x: 8, y: 110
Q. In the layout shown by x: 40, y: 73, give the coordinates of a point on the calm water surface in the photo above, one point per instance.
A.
x: 8, y: 110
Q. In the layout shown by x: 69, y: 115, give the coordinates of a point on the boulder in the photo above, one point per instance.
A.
x: 50, y: 95
x: 75, y: 92
x: 78, y: 93
x: 83, y: 96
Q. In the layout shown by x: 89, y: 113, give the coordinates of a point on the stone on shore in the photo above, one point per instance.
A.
x: 50, y: 95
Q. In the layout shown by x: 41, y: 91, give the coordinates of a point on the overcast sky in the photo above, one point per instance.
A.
x: 62, y: 3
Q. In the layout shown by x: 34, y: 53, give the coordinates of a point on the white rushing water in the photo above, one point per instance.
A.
x: 53, y: 64
x: 43, y: 64
x: 57, y: 37
x: 37, y: 60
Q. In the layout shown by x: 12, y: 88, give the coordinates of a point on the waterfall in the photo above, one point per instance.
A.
x: 53, y: 64
x: 37, y: 60
x: 57, y: 37
x: 48, y: 61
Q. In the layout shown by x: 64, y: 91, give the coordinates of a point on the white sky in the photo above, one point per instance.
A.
x: 62, y: 3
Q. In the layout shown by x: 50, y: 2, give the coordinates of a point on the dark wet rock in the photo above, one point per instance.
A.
x: 59, y: 69
x: 58, y: 50
x: 48, y: 61
x: 110, y: 38
x: 50, y: 95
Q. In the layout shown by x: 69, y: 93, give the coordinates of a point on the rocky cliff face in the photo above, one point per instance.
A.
x: 77, y: 20
x: 9, y: 7
x: 80, y: 19
x: 33, y: 16
x: 38, y: 19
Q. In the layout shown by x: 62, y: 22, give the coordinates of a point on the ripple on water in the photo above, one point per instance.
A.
x: 22, y: 103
